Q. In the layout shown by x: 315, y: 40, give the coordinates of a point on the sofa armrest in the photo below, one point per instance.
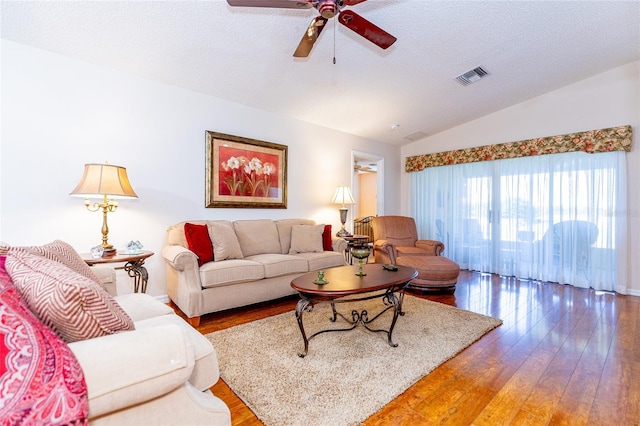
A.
x: 129, y: 368
x: 432, y: 246
x: 184, y: 286
x: 179, y: 257
x: 107, y: 277
x: 338, y: 244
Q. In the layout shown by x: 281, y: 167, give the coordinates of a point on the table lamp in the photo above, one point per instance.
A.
x: 343, y: 197
x: 108, y: 182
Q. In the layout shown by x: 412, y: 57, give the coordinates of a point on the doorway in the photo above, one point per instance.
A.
x: 367, y: 184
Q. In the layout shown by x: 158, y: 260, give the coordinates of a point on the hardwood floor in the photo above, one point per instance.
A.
x: 564, y: 356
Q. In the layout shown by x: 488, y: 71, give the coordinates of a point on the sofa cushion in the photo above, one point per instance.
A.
x: 199, y: 242
x: 225, y: 242
x: 327, y: 239
x: 214, y: 274
x: 324, y: 260
x: 306, y: 239
x: 40, y: 378
x: 206, y: 370
x: 284, y: 231
x: 257, y: 236
x: 74, y: 306
x: 140, y: 306
x: 125, y: 370
x: 276, y: 264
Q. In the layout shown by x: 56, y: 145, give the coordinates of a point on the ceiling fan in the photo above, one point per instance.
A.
x: 360, y: 168
x: 328, y: 9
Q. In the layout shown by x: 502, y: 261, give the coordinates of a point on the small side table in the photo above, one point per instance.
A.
x: 133, y: 264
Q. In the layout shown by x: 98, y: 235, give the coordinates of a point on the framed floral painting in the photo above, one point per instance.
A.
x: 245, y: 173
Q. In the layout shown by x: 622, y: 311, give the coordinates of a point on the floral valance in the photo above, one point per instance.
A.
x: 592, y: 141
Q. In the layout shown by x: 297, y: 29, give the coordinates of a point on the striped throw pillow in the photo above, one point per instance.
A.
x: 74, y: 306
x: 62, y: 252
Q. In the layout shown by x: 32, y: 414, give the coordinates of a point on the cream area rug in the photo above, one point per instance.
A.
x: 346, y: 376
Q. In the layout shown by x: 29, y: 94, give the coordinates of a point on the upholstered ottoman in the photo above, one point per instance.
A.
x: 435, y: 273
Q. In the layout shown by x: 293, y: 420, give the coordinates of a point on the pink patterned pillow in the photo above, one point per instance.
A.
x: 75, y: 307
x: 41, y: 381
x: 65, y: 254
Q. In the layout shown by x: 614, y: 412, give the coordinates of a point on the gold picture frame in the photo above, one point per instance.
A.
x: 244, y: 173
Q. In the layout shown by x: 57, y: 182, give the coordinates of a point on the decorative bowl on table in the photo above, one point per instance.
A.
x: 133, y: 247
x: 360, y: 253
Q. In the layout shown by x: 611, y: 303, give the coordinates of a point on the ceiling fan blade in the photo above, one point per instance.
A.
x: 352, y: 2
x: 366, y: 29
x: 310, y: 36
x: 282, y: 4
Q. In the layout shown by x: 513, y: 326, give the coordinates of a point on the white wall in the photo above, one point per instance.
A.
x: 607, y: 100
x: 59, y: 113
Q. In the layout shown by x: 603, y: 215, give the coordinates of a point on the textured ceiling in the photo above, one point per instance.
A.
x: 244, y: 55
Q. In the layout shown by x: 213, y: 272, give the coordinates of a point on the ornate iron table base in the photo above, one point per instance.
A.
x: 133, y: 265
x: 389, y: 300
x: 139, y: 273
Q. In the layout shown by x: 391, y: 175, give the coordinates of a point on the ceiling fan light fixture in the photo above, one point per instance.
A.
x: 327, y: 9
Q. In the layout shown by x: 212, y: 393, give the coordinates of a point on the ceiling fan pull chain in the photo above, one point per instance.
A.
x: 334, y: 42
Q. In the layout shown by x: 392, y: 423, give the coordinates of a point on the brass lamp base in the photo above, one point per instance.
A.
x: 108, y: 252
x: 343, y: 219
x: 343, y: 233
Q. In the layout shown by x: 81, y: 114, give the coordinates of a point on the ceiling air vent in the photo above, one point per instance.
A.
x: 471, y: 76
x: 415, y: 136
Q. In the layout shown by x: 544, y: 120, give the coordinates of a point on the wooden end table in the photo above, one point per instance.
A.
x: 343, y: 282
x: 133, y: 264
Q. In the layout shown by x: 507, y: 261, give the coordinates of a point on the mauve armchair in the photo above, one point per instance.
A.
x: 395, y: 241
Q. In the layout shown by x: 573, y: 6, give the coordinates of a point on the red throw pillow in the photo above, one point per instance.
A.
x: 199, y: 242
x: 327, y: 244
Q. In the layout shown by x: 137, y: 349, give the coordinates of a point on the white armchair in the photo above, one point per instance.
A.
x: 160, y: 373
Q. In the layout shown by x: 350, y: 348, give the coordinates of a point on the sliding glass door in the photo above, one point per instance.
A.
x: 549, y: 217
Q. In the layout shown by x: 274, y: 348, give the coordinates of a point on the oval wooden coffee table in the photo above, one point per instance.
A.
x: 345, y: 286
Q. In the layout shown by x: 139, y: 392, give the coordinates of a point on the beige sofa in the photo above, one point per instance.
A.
x: 254, y: 261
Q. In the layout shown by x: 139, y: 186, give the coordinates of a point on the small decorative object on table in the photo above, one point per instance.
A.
x: 320, y: 279
x: 97, y: 252
x: 134, y: 247
x: 360, y: 253
x: 390, y: 267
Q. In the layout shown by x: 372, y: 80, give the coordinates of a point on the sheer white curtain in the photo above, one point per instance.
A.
x: 559, y: 217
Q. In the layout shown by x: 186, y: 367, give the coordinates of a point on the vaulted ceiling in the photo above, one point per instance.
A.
x: 244, y: 55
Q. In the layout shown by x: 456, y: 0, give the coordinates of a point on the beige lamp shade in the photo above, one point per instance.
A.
x: 343, y: 196
x: 101, y: 180
x: 104, y: 181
